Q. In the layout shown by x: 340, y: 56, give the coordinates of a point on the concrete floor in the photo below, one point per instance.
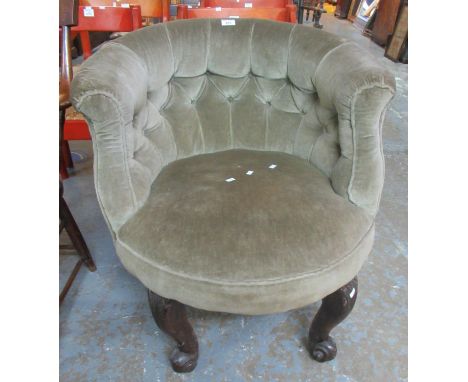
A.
x: 107, y: 332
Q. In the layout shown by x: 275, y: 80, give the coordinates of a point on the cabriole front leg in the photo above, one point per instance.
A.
x: 171, y: 317
x: 334, y: 309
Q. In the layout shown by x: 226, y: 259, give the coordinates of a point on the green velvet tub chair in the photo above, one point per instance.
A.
x: 239, y: 168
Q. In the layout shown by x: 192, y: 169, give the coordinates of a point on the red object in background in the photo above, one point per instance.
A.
x: 287, y: 14
x: 149, y: 8
x: 105, y: 19
x: 241, y: 3
x: 76, y: 130
x: 99, y: 19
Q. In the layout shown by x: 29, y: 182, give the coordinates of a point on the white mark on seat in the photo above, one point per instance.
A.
x: 272, y: 166
x: 229, y: 180
x: 250, y: 172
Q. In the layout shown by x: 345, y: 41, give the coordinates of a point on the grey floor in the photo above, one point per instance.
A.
x: 107, y: 332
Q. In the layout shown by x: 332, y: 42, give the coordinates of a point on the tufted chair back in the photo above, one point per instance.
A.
x: 190, y: 87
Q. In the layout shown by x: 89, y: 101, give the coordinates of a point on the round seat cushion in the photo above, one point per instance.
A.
x: 242, y: 231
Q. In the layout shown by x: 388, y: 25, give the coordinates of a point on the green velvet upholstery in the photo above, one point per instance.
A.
x: 176, y: 109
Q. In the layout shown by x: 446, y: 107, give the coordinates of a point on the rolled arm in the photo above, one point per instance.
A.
x: 351, y: 82
x: 108, y: 90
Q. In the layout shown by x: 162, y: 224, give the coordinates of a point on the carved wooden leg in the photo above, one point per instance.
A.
x: 334, y: 309
x: 171, y: 317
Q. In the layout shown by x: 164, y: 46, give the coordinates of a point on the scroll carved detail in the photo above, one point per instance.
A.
x: 334, y: 309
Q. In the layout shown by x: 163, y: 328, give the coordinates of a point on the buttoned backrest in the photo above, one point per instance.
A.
x: 196, y: 86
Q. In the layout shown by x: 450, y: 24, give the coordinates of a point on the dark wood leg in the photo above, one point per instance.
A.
x: 171, y: 317
x: 62, y: 162
x: 300, y: 12
x: 318, y: 10
x: 67, y: 154
x: 334, y: 309
x: 68, y: 222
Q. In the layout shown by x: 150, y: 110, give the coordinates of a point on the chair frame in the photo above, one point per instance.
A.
x: 347, y: 98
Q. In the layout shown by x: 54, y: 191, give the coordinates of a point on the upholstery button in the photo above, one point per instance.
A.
x: 230, y: 99
x: 268, y: 103
x: 192, y: 101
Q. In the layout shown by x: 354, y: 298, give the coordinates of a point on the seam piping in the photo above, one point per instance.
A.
x: 353, y: 131
x: 289, y: 49
x: 274, y: 280
x: 208, y: 49
x: 251, y: 41
x: 267, y: 118
x: 326, y: 56
x: 172, y: 49
x: 143, y: 64
x: 122, y: 135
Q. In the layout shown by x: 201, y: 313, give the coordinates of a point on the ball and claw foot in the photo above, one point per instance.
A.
x: 334, y: 309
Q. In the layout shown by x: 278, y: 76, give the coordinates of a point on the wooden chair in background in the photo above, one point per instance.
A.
x: 150, y: 9
x: 95, y: 19
x: 105, y: 19
x: 245, y: 3
x: 286, y: 14
x: 68, y: 16
x: 314, y: 6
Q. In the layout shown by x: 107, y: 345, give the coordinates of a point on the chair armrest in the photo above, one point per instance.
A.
x: 109, y: 89
x: 351, y: 82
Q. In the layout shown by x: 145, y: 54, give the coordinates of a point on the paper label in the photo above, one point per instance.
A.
x: 88, y: 12
x: 247, y: 5
x: 125, y: 5
x: 233, y: 17
x: 352, y: 293
x: 102, y: 7
x: 228, y: 22
x: 218, y: 9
